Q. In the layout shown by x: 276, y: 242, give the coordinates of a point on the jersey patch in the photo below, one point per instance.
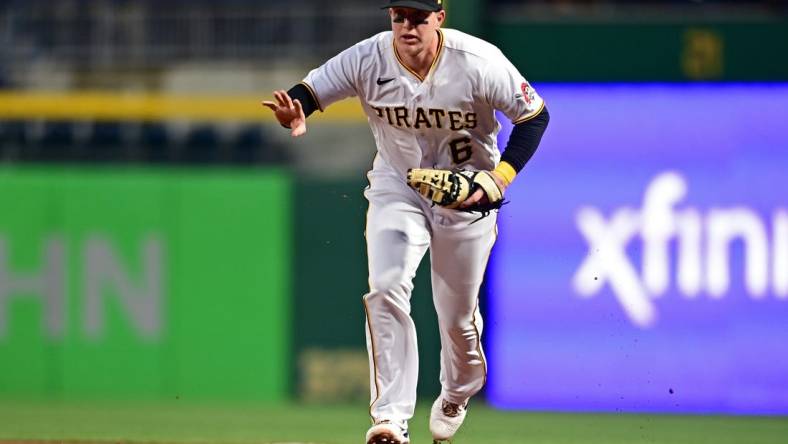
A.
x: 528, y: 93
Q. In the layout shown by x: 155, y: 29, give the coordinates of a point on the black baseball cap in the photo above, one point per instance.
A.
x: 423, y: 5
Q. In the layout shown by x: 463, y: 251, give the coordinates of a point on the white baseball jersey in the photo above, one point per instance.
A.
x: 445, y: 120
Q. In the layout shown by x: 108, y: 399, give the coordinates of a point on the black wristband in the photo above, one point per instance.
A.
x: 304, y: 95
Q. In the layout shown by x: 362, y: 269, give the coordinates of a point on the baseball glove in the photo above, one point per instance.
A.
x: 450, y: 188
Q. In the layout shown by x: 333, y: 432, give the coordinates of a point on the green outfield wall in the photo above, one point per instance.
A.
x: 644, y: 51
x: 145, y: 284
x: 188, y: 284
x: 331, y: 263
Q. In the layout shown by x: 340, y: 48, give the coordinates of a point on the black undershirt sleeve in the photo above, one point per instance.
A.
x: 524, y: 140
x: 302, y: 93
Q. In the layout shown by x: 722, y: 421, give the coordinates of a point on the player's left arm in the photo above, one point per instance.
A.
x: 509, y: 92
x: 522, y: 145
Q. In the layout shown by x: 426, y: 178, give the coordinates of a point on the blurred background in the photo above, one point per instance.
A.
x: 162, y: 237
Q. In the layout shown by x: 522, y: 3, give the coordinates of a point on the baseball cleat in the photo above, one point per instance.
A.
x: 445, y: 418
x: 386, y: 432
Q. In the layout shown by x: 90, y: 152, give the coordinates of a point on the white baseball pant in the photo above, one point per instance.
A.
x: 401, y: 225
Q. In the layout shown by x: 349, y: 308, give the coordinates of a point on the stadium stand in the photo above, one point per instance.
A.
x: 57, y: 142
x: 105, y: 143
x: 201, y: 146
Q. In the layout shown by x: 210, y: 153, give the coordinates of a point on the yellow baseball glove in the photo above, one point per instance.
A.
x: 450, y: 188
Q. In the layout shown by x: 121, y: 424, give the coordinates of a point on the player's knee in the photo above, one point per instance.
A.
x: 460, y: 329
x: 387, y: 302
x: 387, y: 297
x: 456, y: 319
x: 391, y: 284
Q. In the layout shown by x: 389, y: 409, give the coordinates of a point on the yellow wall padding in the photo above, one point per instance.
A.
x: 135, y: 107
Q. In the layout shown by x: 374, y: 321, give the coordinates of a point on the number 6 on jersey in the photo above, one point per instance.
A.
x: 461, y: 150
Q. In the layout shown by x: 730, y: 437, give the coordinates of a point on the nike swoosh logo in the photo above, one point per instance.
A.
x: 384, y: 81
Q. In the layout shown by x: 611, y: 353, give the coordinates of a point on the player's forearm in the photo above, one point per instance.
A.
x: 522, y: 144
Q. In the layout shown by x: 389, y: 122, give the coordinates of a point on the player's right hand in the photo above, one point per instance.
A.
x: 288, y: 112
x: 479, y: 197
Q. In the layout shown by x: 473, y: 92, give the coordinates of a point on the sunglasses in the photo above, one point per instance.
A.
x: 416, y: 17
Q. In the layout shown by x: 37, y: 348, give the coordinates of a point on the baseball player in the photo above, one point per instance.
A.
x: 430, y: 96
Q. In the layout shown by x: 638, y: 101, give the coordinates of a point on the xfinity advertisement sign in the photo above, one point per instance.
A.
x: 642, y: 264
x: 657, y: 223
